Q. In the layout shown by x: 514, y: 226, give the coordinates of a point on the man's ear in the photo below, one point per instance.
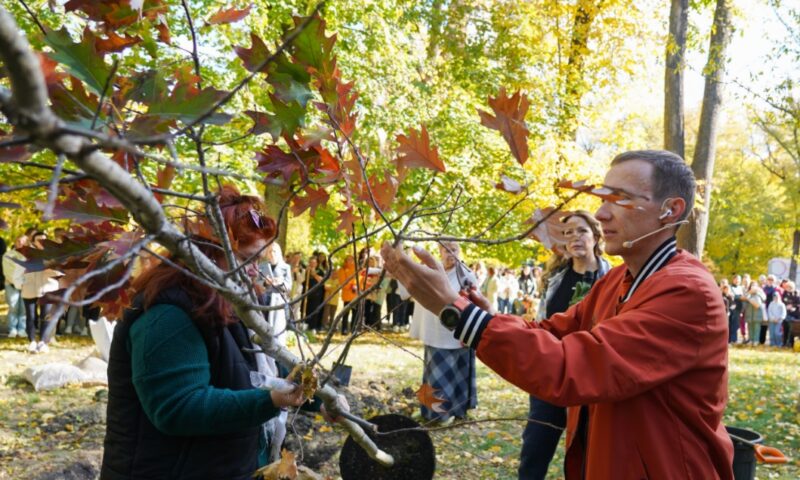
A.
x: 677, y: 207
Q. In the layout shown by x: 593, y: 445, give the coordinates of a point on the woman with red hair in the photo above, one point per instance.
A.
x: 181, y: 403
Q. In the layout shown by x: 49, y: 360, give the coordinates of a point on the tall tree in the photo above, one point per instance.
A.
x: 674, y: 139
x: 693, y: 237
x: 780, y: 122
x: 586, y: 12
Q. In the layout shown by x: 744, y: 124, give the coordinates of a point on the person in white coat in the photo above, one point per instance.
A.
x: 449, y: 365
x: 277, y: 275
x: 776, y: 313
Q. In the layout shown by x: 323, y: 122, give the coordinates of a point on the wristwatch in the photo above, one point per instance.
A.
x: 451, y: 314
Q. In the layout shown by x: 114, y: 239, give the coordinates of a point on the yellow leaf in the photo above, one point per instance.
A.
x: 325, y: 428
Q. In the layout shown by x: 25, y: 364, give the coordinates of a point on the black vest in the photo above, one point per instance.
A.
x: 135, y: 449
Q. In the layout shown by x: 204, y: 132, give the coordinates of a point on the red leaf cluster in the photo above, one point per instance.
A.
x: 113, y: 14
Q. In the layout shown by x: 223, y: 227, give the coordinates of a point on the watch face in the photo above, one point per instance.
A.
x: 450, y: 317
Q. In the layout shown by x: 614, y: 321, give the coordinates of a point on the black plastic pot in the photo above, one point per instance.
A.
x: 744, y: 456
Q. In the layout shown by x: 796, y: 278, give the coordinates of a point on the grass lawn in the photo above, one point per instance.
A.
x: 46, y: 431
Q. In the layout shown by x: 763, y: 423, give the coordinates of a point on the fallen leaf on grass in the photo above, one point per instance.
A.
x: 427, y: 397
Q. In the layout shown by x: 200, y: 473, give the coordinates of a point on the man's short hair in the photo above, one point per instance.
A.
x: 671, y: 176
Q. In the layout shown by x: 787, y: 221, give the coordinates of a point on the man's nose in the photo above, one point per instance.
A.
x: 603, y: 213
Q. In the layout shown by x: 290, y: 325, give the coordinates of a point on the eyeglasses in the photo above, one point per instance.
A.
x: 576, y: 232
x: 258, y: 219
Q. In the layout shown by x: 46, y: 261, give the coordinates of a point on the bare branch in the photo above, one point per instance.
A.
x: 37, y: 185
x: 53, y: 191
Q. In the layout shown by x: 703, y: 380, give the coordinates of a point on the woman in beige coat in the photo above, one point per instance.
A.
x: 36, y: 285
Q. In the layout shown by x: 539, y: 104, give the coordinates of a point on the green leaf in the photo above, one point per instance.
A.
x: 187, y: 104
x: 81, y: 59
x: 289, y: 81
x: 150, y: 87
x: 311, y: 47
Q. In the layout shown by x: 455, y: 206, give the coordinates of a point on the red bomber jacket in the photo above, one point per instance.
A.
x: 652, y: 372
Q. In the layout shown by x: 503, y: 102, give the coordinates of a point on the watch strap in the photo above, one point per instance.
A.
x: 471, y: 325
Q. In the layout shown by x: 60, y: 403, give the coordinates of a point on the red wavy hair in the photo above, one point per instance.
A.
x: 247, y: 223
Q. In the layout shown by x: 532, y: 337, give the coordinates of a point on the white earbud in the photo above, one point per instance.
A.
x: 665, y: 214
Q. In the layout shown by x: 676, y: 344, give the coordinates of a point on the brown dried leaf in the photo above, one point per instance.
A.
x: 415, y: 151
x: 509, y: 120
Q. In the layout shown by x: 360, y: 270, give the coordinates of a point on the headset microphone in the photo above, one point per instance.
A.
x: 629, y: 243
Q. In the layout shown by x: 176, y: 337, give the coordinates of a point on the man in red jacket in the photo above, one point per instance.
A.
x: 641, y: 361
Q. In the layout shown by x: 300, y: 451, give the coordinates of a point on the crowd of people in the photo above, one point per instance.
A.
x: 387, y: 305
x: 761, y: 309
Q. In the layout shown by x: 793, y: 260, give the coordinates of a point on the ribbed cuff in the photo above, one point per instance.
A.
x: 470, y: 327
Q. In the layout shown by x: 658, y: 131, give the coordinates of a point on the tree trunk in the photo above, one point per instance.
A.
x: 435, y: 29
x: 574, y: 83
x: 693, y: 236
x: 673, y: 78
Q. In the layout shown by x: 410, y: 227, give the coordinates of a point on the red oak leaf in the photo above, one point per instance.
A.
x: 613, y: 196
x: 427, y: 396
x: 313, y: 137
x: 415, y: 151
x: 509, y: 120
x: 383, y: 191
x: 313, y: 199
x: 579, y: 185
x: 326, y: 165
x: 84, y: 210
x: 48, y: 65
x: 12, y: 153
x: 346, y: 220
x: 201, y: 228
x: 549, y: 232
x: 125, y: 160
x: 254, y: 56
x: 276, y: 162
x: 114, y: 42
x: 123, y: 243
x: 165, y: 176
x: 163, y: 33
x: 229, y: 15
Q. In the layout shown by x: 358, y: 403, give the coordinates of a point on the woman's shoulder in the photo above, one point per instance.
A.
x: 162, y: 317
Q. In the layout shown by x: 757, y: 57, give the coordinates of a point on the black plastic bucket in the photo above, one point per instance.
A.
x: 744, y: 455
